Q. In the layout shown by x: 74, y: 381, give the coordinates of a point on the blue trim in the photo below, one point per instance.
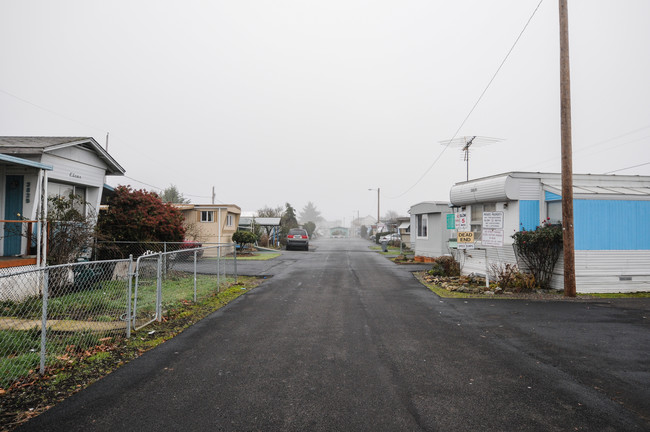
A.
x: 611, y: 225
x: 528, y: 215
x: 21, y: 161
x: 550, y: 196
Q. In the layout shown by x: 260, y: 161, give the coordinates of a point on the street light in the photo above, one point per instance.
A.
x: 378, y: 190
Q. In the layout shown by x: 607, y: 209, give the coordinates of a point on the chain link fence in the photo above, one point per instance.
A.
x: 53, y: 314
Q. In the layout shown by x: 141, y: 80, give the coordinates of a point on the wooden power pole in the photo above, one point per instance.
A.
x: 567, y: 156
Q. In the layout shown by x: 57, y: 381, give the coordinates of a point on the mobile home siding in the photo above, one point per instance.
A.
x: 528, y: 214
x: 550, y: 196
x: 607, y: 271
x: 624, y: 225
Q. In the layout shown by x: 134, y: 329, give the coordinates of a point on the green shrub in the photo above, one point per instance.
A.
x: 510, y: 278
x: 437, y: 269
x: 445, y: 266
x: 539, y: 250
x: 450, y: 265
x: 243, y: 238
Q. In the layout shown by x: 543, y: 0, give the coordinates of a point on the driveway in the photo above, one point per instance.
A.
x: 341, y: 339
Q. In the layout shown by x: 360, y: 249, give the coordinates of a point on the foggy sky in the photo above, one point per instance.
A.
x: 297, y: 101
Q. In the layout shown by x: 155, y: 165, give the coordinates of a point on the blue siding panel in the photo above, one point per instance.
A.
x: 611, y: 225
x: 528, y: 215
x: 550, y: 196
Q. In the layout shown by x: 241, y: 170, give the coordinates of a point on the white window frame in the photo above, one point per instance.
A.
x: 54, y: 190
x: 207, y: 216
x: 476, y: 218
x: 419, y: 218
x: 230, y: 220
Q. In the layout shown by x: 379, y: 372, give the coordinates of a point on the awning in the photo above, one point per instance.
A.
x: 599, y: 190
x: 267, y: 221
x: 405, y: 225
x: 25, y: 162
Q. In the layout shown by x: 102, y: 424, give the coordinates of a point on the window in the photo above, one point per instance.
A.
x: 554, y: 211
x: 207, y: 216
x: 230, y: 220
x: 422, y: 222
x: 64, y: 191
x: 476, y: 220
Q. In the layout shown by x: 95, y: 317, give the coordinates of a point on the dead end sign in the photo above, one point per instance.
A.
x: 465, y: 237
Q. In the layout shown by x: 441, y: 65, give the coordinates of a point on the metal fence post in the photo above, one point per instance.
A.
x: 129, y: 291
x: 487, y: 270
x: 218, y: 268
x: 159, y: 289
x: 165, y: 259
x: 135, y: 294
x: 195, y: 276
x: 44, y: 321
x: 234, y: 248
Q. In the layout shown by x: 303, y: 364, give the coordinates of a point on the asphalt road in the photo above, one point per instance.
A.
x: 341, y: 339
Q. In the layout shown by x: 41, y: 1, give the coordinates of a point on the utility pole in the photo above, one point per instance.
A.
x: 213, y: 195
x: 378, y: 189
x: 567, y: 156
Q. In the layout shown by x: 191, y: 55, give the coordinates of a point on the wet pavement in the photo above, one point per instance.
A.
x: 342, y: 339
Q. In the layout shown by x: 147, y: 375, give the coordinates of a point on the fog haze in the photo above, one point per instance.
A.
x: 293, y: 101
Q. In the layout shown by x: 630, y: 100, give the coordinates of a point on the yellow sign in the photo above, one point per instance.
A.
x: 465, y: 237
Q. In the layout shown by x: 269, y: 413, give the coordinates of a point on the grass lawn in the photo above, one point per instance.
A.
x: 75, y: 367
x: 20, y: 347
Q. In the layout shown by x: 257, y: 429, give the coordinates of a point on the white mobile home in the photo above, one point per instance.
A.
x: 611, y: 224
x: 429, y: 234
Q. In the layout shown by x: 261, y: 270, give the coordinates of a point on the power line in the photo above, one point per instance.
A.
x: 623, y: 169
x: 162, y: 189
x: 475, y: 104
x: 590, y: 146
x: 50, y: 111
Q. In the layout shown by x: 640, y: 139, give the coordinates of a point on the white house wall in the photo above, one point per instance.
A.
x: 607, y: 271
x: 435, y: 244
x: 73, y: 172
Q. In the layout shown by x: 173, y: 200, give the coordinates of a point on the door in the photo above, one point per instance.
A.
x: 13, y: 211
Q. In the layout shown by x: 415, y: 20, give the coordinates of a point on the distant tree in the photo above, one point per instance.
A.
x: 287, y: 221
x: 173, y: 195
x: 266, y: 211
x: 310, y: 213
x: 364, y: 231
x: 140, y: 215
x: 310, y: 227
x: 391, y: 217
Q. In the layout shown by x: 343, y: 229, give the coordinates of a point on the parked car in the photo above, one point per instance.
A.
x: 389, y: 238
x: 297, y: 239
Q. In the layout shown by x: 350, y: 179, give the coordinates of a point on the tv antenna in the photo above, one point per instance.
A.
x: 468, y: 142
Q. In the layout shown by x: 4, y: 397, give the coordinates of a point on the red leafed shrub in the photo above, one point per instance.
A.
x: 140, y: 215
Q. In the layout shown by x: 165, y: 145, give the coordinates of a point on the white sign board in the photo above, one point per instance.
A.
x: 465, y: 246
x: 492, y: 237
x: 493, y: 220
x: 462, y: 222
